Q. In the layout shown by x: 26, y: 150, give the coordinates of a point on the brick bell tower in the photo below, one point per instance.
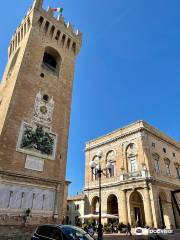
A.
x: 35, y: 104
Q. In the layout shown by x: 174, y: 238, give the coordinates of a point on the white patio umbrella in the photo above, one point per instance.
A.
x: 96, y: 216
x: 111, y: 216
x: 89, y: 216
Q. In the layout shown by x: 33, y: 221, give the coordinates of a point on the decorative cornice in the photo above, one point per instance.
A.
x: 115, y: 184
x: 24, y: 176
x: 113, y: 139
x: 145, y: 127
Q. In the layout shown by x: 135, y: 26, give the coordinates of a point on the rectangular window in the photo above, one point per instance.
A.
x: 157, y: 167
x: 111, y: 171
x: 174, y: 155
x: 133, y: 164
x: 153, y: 145
x: 94, y: 174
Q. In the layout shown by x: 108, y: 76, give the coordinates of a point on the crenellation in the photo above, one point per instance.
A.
x: 58, y: 33
x: 50, y: 11
x: 38, y: 4
x: 19, y: 35
x: 46, y: 26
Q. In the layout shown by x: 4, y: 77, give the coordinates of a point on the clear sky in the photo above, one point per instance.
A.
x: 128, y: 68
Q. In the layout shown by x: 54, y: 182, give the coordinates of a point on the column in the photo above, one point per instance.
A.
x: 123, y: 215
x: 147, y: 208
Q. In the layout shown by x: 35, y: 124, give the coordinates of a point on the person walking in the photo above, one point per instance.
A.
x: 128, y: 229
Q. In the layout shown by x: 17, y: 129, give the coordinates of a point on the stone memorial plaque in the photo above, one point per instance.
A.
x: 34, y: 163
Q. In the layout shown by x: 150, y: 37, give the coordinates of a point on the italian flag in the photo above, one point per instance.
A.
x: 59, y: 10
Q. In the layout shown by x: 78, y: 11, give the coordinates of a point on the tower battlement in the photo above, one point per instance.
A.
x: 56, y: 28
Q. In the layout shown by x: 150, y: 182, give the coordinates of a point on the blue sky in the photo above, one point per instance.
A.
x: 128, y: 67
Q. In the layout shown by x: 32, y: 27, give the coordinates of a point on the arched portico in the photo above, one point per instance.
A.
x: 136, y: 209
x: 112, y: 205
x: 164, y: 210
x: 95, y: 205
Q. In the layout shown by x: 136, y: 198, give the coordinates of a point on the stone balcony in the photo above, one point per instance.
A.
x: 134, y: 175
x: 123, y: 178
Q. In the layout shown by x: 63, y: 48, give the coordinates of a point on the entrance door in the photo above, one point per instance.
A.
x: 137, y: 214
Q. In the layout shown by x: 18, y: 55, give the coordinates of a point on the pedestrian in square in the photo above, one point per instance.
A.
x: 128, y: 229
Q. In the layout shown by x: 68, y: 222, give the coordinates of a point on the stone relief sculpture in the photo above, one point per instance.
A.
x: 36, y: 138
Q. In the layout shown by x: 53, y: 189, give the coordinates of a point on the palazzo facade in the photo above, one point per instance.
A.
x: 142, y: 185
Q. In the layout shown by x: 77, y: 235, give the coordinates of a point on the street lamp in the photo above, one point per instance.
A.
x: 99, y: 173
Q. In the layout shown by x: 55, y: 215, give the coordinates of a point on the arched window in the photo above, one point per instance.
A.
x: 156, y: 162
x: 46, y: 26
x: 74, y: 47
x: 57, y: 35
x: 63, y: 39
x: 51, y: 60
x: 40, y: 22
x: 94, y: 174
x: 68, y: 43
x: 131, y: 153
x: 52, y: 31
x: 110, y: 158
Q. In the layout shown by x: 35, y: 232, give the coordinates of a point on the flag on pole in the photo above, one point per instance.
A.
x: 59, y: 10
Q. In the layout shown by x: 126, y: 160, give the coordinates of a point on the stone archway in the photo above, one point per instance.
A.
x: 137, y: 209
x: 112, y: 205
x: 163, y: 206
x: 95, y: 205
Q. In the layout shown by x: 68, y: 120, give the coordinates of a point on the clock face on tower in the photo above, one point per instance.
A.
x: 43, y: 109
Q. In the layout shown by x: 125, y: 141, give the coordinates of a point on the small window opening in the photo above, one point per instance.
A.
x: 52, y: 31
x: 42, y: 75
x: 174, y: 154
x: 49, y: 61
x: 57, y: 35
x: 63, y: 39
x: 46, y: 27
x: 21, y: 33
x: 74, y: 47
x: 45, y: 97
x: 164, y: 150
x: 41, y: 21
x: 68, y: 43
x: 153, y: 145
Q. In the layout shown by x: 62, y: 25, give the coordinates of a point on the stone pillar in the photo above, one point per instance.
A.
x: 103, y: 206
x: 147, y: 208
x: 57, y: 202
x: 123, y: 214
